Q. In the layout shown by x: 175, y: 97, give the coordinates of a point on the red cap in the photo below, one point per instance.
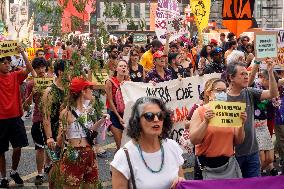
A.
x: 79, y: 83
x: 158, y: 54
x: 214, y: 41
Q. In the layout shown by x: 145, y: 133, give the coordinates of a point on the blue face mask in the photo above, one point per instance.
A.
x: 221, y: 96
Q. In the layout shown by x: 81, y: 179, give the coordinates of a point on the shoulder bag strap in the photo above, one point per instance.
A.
x: 116, y: 86
x: 130, y: 168
x: 76, y: 116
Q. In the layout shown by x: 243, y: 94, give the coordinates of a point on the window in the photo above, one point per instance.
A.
x: 136, y: 10
x: 112, y: 27
x: 128, y: 10
x: 147, y: 10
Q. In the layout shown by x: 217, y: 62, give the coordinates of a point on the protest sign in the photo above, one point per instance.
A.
x: 280, y: 46
x: 140, y: 38
x: 201, y: 12
x: 43, y: 83
x: 8, y: 48
x: 166, y: 9
x: 265, y: 45
x: 178, y: 95
x: 177, y: 26
x: 31, y: 52
x: 248, y: 183
x: 100, y: 78
x: 227, y: 114
x: 237, y: 15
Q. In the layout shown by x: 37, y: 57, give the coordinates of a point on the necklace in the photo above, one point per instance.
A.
x: 145, y: 163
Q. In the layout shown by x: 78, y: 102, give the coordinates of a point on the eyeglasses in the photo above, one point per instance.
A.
x: 115, y: 51
x: 217, y: 90
x: 150, y: 116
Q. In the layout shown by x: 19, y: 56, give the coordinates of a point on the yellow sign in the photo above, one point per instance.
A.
x: 100, y: 78
x: 201, y: 11
x: 8, y: 48
x: 43, y: 83
x: 227, y: 114
x: 31, y: 52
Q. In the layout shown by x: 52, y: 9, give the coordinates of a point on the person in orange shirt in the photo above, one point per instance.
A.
x: 214, y: 146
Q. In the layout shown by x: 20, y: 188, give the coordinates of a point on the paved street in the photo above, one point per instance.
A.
x: 27, y: 167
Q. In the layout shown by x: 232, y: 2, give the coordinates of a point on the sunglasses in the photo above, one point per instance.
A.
x: 150, y: 116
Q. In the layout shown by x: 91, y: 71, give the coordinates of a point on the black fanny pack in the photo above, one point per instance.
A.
x: 213, y: 162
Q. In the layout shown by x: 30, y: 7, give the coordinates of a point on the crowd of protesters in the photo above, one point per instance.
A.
x: 64, y: 119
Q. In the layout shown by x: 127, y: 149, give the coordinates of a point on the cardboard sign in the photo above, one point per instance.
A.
x: 8, y: 48
x: 140, y: 38
x: 265, y: 45
x: 31, y: 52
x: 100, y: 77
x: 43, y: 83
x: 227, y: 114
x: 201, y: 12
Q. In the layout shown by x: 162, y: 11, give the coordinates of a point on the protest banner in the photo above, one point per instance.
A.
x: 237, y: 15
x: 8, y: 48
x: 166, y: 9
x: 280, y: 46
x: 265, y: 45
x: 177, y: 26
x: 100, y: 78
x: 178, y: 95
x: 201, y: 12
x: 227, y: 114
x: 248, y: 183
x: 43, y: 83
x: 31, y: 52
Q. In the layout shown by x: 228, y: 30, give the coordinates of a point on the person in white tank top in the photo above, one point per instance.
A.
x: 79, y: 164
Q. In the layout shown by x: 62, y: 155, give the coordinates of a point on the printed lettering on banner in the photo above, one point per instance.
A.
x: 166, y: 10
x: 265, y: 45
x: 100, y: 78
x: 8, y: 48
x: 227, y: 114
x: 179, y: 97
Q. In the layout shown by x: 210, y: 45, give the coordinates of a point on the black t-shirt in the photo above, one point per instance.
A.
x: 136, y: 76
x: 181, y: 71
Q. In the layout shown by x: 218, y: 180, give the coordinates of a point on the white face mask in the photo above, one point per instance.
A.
x: 221, y: 96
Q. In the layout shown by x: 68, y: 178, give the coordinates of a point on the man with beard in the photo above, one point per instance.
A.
x: 113, y: 58
x: 35, y: 93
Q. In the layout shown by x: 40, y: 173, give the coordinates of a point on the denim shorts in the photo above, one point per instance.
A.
x: 115, y: 120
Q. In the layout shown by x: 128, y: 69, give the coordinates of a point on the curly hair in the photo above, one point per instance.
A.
x: 134, y: 128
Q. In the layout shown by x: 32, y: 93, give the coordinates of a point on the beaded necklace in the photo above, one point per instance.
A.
x: 145, y: 163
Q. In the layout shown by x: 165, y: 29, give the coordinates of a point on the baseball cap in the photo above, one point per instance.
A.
x: 215, y: 51
x: 214, y: 41
x: 79, y: 83
x: 158, y: 54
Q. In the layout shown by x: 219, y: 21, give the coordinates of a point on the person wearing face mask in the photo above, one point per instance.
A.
x: 214, y: 146
x: 112, y: 87
x: 159, y: 73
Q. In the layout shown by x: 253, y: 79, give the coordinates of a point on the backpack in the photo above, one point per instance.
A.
x: 118, y: 98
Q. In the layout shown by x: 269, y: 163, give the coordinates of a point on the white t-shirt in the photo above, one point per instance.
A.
x: 144, y: 178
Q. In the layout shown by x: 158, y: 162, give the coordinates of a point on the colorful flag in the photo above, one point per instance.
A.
x: 201, y: 11
x: 237, y: 15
